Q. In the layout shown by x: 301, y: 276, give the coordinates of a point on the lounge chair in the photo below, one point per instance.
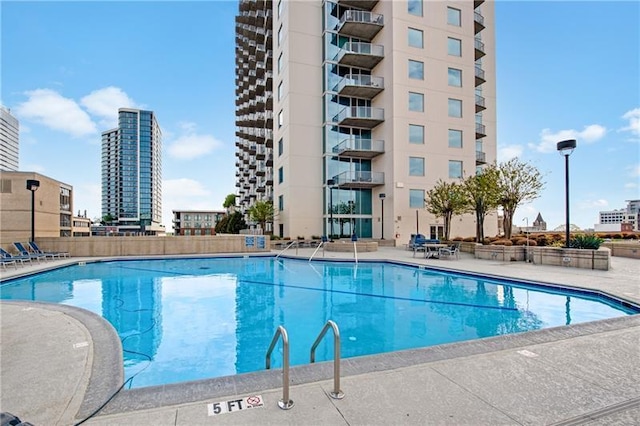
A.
x: 450, y: 251
x: 58, y: 254
x: 24, y: 252
x: 6, y: 262
x: 8, y: 256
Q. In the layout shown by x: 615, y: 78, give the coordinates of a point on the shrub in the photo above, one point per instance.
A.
x: 469, y: 240
x: 275, y: 238
x: 457, y: 239
x: 583, y: 241
x: 542, y: 240
x: 616, y: 236
x: 502, y: 242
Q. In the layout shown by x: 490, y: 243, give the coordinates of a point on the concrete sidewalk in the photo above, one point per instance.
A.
x: 60, y: 363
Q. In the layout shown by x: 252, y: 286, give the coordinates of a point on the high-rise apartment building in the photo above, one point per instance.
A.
x: 132, y: 172
x: 369, y: 103
x: 9, y: 141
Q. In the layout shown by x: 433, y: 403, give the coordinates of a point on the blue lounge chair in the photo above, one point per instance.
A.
x: 6, y: 262
x: 24, y: 252
x: 8, y: 256
x: 58, y: 254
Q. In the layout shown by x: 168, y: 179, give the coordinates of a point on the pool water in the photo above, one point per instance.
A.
x: 190, y: 319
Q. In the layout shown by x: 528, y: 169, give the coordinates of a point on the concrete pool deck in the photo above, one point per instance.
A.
x: 59, y: 364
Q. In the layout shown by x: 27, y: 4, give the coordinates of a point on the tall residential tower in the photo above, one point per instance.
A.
x: 132, y: 172
x: 9, y: 141
x: 372, y: 103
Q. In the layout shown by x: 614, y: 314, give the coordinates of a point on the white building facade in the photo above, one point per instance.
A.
x: 9, y: 141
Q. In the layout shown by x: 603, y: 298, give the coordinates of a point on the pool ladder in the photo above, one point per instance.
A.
x: 286, y: 403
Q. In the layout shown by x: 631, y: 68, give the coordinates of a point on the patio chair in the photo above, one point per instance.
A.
x: 449, y: 252
x: 6, y: 262
x: 24, y: 252
x: 37, y: 250
x: 8, y: 256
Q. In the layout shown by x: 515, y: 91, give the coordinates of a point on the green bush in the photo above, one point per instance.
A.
x: 503, y: 242
x: 583, y: 241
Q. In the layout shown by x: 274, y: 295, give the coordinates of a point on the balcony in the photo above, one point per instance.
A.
x: 481, y: 130
x: 359, y: 148
x: 478, y: 22
x: 364, y: 117
x: 360, y: 86
x: 349, y: 180
x: 480, y: 103
x: 481, y: 158
x: 479, y: 76
x: 477, y: 3
x: 360, y: 24
x: 362, y: 4
x: 362, y: 55
x: 478, y: 46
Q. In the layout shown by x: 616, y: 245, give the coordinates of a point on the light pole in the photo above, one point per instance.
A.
x: 566, y: 148
x: 382, y: 196
x: 330, y: 183
x: 33, y: 185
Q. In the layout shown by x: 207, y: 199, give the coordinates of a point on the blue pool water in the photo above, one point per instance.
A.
x: 189, y: 319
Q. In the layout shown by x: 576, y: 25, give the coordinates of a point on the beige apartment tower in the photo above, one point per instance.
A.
x: 364, y: 106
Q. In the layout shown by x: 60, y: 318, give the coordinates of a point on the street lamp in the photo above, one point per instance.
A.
x: 566, y: 148
x: 33, y: 185
x: 382, y: 196
x: 330, y: 184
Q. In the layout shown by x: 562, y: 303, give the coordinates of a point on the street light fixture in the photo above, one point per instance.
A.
x: 565, y: 148
x: 382, y: 197
x: 330, y: 184
x: 33, y: 185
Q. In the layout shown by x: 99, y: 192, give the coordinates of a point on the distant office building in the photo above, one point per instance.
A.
x: 53, y: 206
x: 349, y: 111
x: 628, y: 218
x: 9, y: 140
x: 132, y: 173
x: 81, y: 225
x: 196, y: 222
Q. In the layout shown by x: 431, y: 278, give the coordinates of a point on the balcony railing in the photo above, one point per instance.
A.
x: 481, y: 158
x: 479, y: 48
x: 481, y: 130
x: 367, y: 117
x: 362, y: 4
x: 359, y: 148
x: 478, y: 22
x: 359, y: 179
x: 360, y: 24
x: 360, y: 54
x: 479, y: 76
x: 480, y: 103
x: 361, y: 86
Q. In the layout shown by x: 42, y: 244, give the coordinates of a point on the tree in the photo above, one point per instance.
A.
x: 262, y: 212
x: 229, y: 201
x: 518, y: 183
x: 107, y: 219
x: 231, y: 224
x: 446, y: 199
x: 484, y: 196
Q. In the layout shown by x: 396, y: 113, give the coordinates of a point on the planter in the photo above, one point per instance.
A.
x: 573, y: 258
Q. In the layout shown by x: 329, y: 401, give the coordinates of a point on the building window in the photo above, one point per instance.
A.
x: 454, y: 16
x: 416, y: 70
x: 455, y: 108
x: 455, y: 77
x: 280, y: 147
x: 280, y: 119
x: 280, y: 202
x: 416, y: 38
x: 416, y: 134
x: 279, y: 35
x: 416, y: 198
x: 280, y: 63
x: 454, y: 46
x: 416, y: 102
x: 280, y: 175
x: 414, y: 7
x: 416, y: 166
x: 455, y: 138
x: 455, y: 169
x: 280, y: 89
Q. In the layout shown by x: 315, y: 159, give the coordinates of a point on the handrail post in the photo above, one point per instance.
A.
x: 336, y: 393
x: 285, y: 249
x: 285, y: 403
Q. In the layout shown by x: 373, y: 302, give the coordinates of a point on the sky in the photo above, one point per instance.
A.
x: 565, y: 70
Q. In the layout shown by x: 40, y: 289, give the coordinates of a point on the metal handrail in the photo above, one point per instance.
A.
x: 285, y: 403
x: 336, y: 393
x: 288, y: 245
x: 316, y: 250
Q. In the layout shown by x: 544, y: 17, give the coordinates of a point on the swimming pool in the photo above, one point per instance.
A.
x: 188, y: 319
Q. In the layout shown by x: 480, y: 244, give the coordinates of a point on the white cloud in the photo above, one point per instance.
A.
x: 548, y: 139
x: 630, y: 185
x: 593, y: 204
x: 87, y: 196
x: 184, y: 194
x: 506, y: 153
x: 53, y: 110
x: 634, y: 171
x: 192, y: 145
x: 105, y: 102
x: 634, y: 123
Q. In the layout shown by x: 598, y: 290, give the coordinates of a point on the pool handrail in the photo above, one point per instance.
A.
x: 336, y: 393
x: 287, y: 247
x: 285, y: 403
x: 316, y: 250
